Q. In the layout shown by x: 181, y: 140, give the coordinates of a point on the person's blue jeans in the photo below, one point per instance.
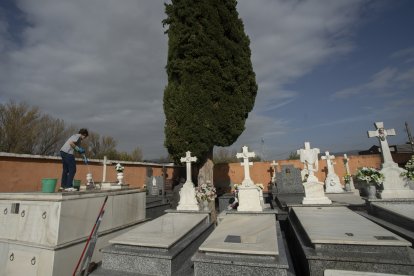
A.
x: 69, y: 169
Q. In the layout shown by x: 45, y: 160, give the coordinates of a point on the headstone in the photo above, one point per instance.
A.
x: 289, y: 180
x: 243, y: 244
x: 338, y: 238
x: 188, y: 199
x: 348, y: 171
x: 394, y: 184
x: 332, y: 183
x: 247, y: 181
x: 314, y: 192
x: 105, y: 162
x: 249, y: 194
x: 154, y: 187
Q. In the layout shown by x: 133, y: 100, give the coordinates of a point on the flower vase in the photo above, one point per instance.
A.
x: 120, y: 177
x: 88, y: 179
x: 205, y: 205
x: 372, y: 191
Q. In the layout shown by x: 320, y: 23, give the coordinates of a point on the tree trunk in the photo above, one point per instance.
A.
x: 205, y: 173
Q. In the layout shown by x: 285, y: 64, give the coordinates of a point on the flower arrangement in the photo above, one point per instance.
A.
x: 409, y: 174
x: 119, y: 168
x: 370, y: 175
x: 347, y: 178
x: 235, y: 186
x: 205, y: 192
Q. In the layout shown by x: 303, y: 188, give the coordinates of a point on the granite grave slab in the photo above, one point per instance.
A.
x: 243, y: 244
x: 338, y: 238
x: 395, y: 215
x: 163, y: 246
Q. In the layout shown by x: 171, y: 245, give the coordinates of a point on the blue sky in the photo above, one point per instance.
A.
x: 326, y: 70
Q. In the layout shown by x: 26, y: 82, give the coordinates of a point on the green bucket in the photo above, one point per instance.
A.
x: 49, y: 185
x: 76, y: 183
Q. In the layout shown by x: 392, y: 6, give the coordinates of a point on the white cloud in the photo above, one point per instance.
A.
x: 386, y: 82
x: 406, y: 54
x: 101, y: 63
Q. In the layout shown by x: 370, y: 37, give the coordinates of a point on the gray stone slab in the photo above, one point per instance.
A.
x: 163, y: 260
x: 162, y: 232
x: 339, y: 225
x: 405, y: 210
x: 335, y: 238
x: 248, y: 234
x: 335, y: 272
x: 226, y: 262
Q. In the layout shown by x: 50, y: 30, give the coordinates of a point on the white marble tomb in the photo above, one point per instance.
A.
x: 249, y: 193
x: 395, y: 186
x: 332, y: 183
x: 314, y: 192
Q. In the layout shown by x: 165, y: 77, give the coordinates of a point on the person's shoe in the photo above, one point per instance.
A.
x: 70, y: 189
x: 61, y: 189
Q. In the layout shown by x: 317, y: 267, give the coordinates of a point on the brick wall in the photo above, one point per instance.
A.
x: 24, y: 173
x: 260, y: 172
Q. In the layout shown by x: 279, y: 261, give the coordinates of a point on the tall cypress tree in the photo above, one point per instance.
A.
x: 211, y: 84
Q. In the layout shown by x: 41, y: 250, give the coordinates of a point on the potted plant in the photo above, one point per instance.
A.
x: 205, y: 193
x: 120, y: 175
x: 371, y: 177
x: 347, y: 179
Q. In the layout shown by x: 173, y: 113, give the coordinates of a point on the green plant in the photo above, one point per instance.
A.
x: 370, y: 175
x: 409, y: 174
x: 119, y: 168
x: 347, y: 178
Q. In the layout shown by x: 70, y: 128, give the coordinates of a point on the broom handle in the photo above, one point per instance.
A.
x: 90, y: 235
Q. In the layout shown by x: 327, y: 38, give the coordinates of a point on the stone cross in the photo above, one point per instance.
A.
x: 329, y: 162
x: 348, y: 171
x: 346, y: 162
x: 245, y: 155
x: 105, y: 162
x: 382, y: 134
x: 274, y: 164
x: 310, y: 157
x: 188, y: 159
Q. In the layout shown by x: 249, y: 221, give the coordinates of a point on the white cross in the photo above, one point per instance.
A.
x: 309, y: 157
x: 105, y: 162
x: 188, y: 159
x: 382, y: 134
x: 328, y: 159
x: 346, y: 159
x: 274, y: 164
x: 245, y: 155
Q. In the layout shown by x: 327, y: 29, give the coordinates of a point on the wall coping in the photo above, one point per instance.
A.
x: 31, y: 156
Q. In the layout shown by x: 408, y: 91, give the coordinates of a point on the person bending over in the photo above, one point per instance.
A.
x: 68, y: 158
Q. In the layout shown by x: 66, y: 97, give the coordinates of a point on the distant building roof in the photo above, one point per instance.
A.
x: 404, y: 148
